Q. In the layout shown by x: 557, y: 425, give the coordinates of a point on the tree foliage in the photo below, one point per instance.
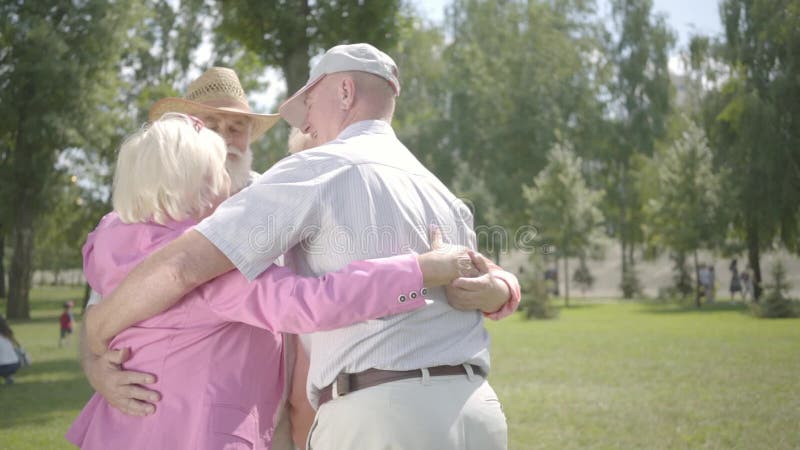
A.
x: 519, y: 79
x: 287, y: 34
x: 57, y: 68
x: 564, y: 207
x: 754, y: 122
x: 640, y: 93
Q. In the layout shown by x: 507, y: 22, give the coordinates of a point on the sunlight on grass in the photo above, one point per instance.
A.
x: 636, y: 376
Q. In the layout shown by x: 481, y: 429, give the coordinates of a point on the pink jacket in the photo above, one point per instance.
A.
x: 217, y: 355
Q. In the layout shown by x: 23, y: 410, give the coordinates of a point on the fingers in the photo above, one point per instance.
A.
x: 436, y: 237
x: 461, y: 300
x: 466, y: 268
x: 131, y: 399
x: 122, y: 389
x: 128, y: 377
x: 479, y: 261
x: 117, y: 356
x: 141, y: 394
x: 471, y: 284
x: 133, y: 407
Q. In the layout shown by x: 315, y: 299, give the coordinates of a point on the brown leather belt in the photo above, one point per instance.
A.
x: 346, y: 383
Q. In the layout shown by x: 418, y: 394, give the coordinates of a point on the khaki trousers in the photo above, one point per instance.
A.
x: 457, y: 412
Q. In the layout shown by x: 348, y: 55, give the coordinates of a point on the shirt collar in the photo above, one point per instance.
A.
x: 366, y: 127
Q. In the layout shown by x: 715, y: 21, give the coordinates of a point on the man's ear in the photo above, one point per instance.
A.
x: 347, y: 93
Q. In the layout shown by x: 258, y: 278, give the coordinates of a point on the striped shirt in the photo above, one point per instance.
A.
x: 360, y: 196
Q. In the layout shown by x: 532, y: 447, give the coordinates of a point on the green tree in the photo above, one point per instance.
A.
x: 754, y: 123
x: 57, y: 68
x: 520, y: 77
x: 420, y: 119
x: 564, y: 208
x: 640, y: 88
x: 2, y: 264
x: 286, y: 34
x: 685, y: 212
x: 476, y: 195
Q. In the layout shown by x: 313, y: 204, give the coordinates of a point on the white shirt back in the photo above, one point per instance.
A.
x: 363, y: 195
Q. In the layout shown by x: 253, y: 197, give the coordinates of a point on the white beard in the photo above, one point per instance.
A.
x: 239, y: 169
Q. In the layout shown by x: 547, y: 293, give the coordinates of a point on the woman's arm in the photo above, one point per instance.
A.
x: 279, y: 300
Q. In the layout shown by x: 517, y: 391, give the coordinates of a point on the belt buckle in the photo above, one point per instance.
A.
x: 341, y: 385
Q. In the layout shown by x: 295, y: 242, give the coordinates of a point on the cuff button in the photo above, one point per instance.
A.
x: 401, y: 299
x: 413, y: 295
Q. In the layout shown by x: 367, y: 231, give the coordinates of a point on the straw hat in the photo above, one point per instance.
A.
x: 217, y: 90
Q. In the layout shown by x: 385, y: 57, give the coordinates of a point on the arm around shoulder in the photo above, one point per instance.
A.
x: 155, y: 285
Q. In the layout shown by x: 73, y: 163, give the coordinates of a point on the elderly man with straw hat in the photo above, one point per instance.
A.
x: 412, y: 381
x: 217, y: 98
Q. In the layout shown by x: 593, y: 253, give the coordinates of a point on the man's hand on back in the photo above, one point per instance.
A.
x: 121, y: 388
x: 485, y: 292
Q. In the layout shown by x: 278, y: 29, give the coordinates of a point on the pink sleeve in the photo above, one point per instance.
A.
x: 514, y: 295
x: 279, y: 300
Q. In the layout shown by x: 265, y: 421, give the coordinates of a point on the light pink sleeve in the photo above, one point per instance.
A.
x: 279, y: 300
x: 514, y: 295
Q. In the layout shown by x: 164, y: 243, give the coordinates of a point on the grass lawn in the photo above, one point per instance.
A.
x: 634, y: 376
x: 612, y: 375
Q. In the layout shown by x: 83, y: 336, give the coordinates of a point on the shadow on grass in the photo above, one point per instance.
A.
x: 32, y: 399
x: 575, y: 306
x: 685, y: 308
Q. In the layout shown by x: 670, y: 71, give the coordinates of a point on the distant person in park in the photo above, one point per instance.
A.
x: 408, y: 381
x: 213, y: 355
x: 736, y: 282
x: 551, y: 280
x: 66, y: 322
x: 9, y: 358
x: 711, y: 288
x: 747, y: 284
x: 702, y: 281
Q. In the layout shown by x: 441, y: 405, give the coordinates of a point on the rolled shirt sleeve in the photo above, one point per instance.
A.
x: 254, y: 227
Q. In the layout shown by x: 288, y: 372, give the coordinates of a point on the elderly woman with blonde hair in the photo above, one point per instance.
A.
x: 216, y: 354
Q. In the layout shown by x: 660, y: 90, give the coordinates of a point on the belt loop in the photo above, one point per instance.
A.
x: 426, y: 376
x: 470, y: 372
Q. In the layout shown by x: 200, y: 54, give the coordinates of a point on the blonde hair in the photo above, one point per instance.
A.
x: 170, y: 171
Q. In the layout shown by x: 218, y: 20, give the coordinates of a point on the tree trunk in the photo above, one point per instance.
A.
x: 624, y: 232
x: 295, y: 60
x: 2, y: 265
x: 87, y: 292
x: 566, y: 280
x: 753, y: 256
x: 624, y: 253
x: 631, y: 256
x: 18, y: 306
x: 697, y: 280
